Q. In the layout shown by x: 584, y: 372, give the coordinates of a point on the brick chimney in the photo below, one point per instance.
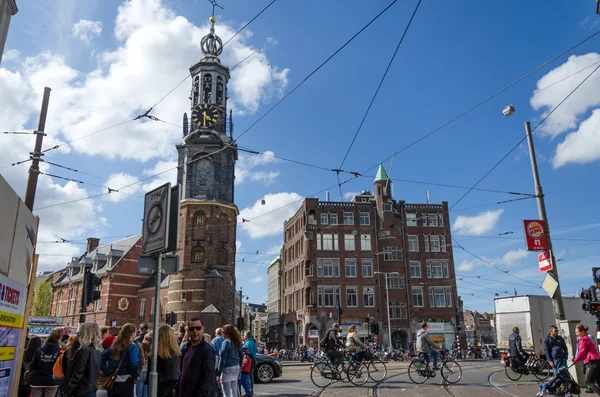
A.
x: 92, y: 244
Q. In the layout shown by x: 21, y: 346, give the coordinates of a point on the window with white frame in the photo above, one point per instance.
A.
x: 327, y: 242
x: 349, y: 240
x: 415, y: 269
x: 324, y: 219
x: 71, y: 306
x: 437, y: 268
x: 59, y: 303
x: 350, y: 267
x: 411, y: 219
x: 413, y: 243
x: 152, y: 308
x: 367, y: 268
x: 395, y: 281
x: 328, y: 267
x: 348, y: 218
x: 397, y: 310
x: 333, y: 219
x: 364, y: 218
x: 426, y: 242
x: 434, y: 243
x: 331, y: 295
x: 432, y: 220
x: 392, y: 254
x: 417, y: 297
x: 98, y: 303
x: 320, y: 296
x: 365, y: 242
x: 440, y: 219
x: 142, y: 309
x: 440, y: 296
x: 387, y: 207
x: 369, y: 297
x: 165, y: 301
x: 351, y: 296
x: 443, y: 243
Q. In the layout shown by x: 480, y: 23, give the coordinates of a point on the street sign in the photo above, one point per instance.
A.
x: 550, y: 285
x: 545, y: 261
x: 535, y: 235
x: 147, y: 264
x: 596, y: 273
x: 155, y: 229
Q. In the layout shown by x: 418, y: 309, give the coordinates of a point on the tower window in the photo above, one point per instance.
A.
x: 207, y: 88
x: 199, y: 220
x: 223, y: 174
x: 219, y: 90
x: 199, y: 256
x: 195, y: 91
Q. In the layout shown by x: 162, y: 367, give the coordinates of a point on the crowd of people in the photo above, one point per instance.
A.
x: 190, y: 363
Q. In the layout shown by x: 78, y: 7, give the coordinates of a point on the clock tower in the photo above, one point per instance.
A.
x: 205, y: 285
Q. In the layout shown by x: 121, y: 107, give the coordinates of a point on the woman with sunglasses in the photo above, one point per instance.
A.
x: 230, y: 359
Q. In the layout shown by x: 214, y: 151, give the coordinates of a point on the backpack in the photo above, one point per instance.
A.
x: 57, y: 370
x: 324, y: 343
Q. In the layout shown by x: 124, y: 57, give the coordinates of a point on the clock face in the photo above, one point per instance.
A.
x: 205, y: 116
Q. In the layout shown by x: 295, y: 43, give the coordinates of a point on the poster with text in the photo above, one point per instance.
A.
x: 13, y: 298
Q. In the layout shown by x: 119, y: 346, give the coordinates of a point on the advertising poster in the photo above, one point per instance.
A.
x: 13, y: 298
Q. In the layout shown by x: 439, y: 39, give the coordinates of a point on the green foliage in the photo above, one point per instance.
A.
x: 42, y: 299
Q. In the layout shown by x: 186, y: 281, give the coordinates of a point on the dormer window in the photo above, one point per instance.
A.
x: 207, y: 88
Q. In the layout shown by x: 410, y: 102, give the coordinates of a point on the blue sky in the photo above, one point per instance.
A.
x: 107, y: 62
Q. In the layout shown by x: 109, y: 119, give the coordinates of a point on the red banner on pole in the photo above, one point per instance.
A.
x: 545, y: 261
x: 535, y: 235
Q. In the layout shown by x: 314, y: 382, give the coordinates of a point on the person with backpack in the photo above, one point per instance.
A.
x: 28, y: 355
x: 426, y: 346
x: 122, y: 360
x: 332, y: 345
x: 42, y: 382
x: 246, y: 369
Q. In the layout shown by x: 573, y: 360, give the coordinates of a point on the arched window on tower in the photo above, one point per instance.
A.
x: 199, y: 219
x: 195, y: 90
x: 222, y: 256
x: 219, y: 90
x: 199, y: 255
x: 207, y: 88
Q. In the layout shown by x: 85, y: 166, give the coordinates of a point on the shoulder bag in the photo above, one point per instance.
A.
x: 110, y: 381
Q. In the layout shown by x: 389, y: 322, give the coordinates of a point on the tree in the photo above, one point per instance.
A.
x: 42, y: 299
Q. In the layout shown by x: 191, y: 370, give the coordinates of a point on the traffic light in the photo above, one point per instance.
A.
x: 240, y: 323
x: 590, y: 301
x: 91, y: 282
x: 173, y: 318
x: 374, y: 328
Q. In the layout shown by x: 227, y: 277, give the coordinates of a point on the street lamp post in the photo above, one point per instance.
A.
x: 387, y: 298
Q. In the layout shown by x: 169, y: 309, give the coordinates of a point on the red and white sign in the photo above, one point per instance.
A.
x: 535, y: 235
x: 545, y: 261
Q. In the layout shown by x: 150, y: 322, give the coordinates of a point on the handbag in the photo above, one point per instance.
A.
x: 110, y: 382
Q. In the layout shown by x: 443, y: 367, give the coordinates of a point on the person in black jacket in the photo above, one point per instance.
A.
x: 515, y: 346
x: 42, y: 383
x: 81, y: 379
x: 556, y: 349
x: 198, y: 376
x: 168, y: 359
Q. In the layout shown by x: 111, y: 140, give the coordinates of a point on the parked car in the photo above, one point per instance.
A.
x: 267, y: 368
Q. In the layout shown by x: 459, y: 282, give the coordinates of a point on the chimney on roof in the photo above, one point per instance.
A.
x: 92, y: 244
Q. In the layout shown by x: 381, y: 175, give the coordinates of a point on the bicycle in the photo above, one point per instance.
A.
x: 377, y: 369
x: 419, y: 371
x: 515, y: 369
x: 323, y: 372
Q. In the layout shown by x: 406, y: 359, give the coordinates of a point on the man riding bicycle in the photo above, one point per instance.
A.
x: 332, y: 345
x: 516, y: 347
x: 427, y: 346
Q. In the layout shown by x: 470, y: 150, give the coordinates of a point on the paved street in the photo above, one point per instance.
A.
x: 485, y: 378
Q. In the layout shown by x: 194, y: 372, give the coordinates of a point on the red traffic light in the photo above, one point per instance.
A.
x: 585, y: 295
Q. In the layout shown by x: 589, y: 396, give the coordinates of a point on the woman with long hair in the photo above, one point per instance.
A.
x: 168, y: 361
x: 354, y: 343
x: 72, y: 347
x: 588, y: 352
x: 122, y: 358
x: 230, y: 359
x: 25, y: 382
x: 141, y: 387
x: 42, y: 383
x: 81, y: 379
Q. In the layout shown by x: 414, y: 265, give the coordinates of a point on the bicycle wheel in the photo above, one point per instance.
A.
x: 416, y: 372
x: 377, y: 370
x: 451, y: 371
x: 357, y: 373
x: 321, y: 374
x: 512, y: 374
x: 541, y: 369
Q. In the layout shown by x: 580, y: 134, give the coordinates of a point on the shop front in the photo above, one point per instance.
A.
x: 441, y: 333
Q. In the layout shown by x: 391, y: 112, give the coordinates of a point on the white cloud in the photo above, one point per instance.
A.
x: 11, y: 55
x: 468, y: 265
x: 154, y: 50
x: 581, y: 146
x: 478, y: 224
x: 257, y: 279
x: 117, y: 181
x: 247, y: 163
x: 513, y: 257
x: 167, y: 171
x: 350, y: 195
x: 585, y: 98
x: 86, y: 30
x: 278, y: 208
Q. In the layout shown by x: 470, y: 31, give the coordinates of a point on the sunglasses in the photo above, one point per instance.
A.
x: 195, y: 328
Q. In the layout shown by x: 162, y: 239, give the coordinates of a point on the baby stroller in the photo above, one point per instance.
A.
x: 561, y: 385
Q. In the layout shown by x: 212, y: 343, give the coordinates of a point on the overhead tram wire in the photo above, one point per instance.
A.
x: 387, y: 69
x: 525, y: 137
x: 485, y: 100
x: 458, y: 277
x: 314, y: 71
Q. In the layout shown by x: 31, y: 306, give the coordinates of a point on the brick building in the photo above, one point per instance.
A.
x: 343, y: 253
x: 116, y: 265
x: 479, y: 327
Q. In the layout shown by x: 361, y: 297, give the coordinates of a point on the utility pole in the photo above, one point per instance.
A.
x: 557, y: 301
x: 36, y: 155
x: 153, y: 376
x: 84, y: 302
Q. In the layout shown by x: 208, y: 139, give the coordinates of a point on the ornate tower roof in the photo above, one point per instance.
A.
x: 211, y: 44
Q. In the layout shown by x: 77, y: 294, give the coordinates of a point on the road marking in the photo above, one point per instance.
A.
x: 495, y: 386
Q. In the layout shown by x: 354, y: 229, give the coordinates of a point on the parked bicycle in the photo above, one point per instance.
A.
x: 419, y: 370
x: 515, y: 368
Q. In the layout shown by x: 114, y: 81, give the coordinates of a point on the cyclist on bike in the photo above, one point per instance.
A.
x: 354, y: 343
x: 427, y: 346
x: 516, y: 347
x: 332, y: 345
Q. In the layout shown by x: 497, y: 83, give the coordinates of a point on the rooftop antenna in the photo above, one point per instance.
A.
x: 427, y: 196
